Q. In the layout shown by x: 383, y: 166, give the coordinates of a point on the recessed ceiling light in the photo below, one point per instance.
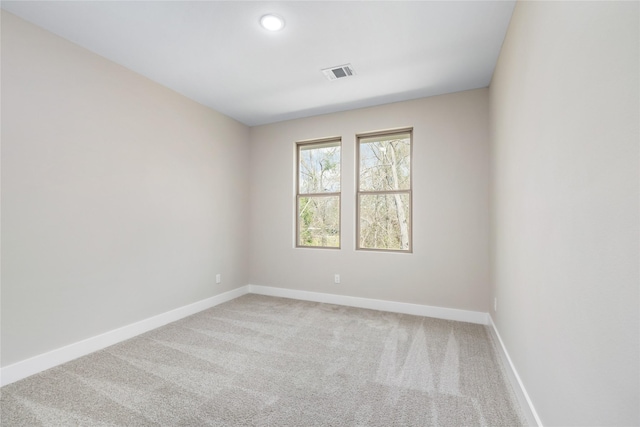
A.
x: 272, y: 22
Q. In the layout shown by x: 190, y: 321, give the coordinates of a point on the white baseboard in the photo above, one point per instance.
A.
x: 39, y: 363
x: 375, y: 304
x: 516, y: 383
x: 31, y: 366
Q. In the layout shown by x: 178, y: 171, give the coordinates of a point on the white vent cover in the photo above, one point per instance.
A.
x: 339, y: 72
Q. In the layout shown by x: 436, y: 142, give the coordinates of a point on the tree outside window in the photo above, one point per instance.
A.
x: 318, y: 194
x: 384, y: 191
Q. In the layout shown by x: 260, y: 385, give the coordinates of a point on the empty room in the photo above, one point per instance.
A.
x: 330, y: 213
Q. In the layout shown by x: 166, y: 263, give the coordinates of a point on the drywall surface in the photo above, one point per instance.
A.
x: 120, y: 198
x: 565, y: 150
x: 449, y: 266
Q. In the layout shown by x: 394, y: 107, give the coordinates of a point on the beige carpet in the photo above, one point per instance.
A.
x: 263, y: 361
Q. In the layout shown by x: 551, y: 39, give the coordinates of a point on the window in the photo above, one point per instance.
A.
x: 384, y: 191
x: 318, y: 194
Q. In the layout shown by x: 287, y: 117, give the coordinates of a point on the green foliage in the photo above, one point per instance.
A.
x: 319, y: 214
x: 319, y: 221
x: 306, y: 217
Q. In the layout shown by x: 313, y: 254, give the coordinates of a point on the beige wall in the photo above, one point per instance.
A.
x: 120, y: 198
x: 564, y: 105
x: 450, y: 261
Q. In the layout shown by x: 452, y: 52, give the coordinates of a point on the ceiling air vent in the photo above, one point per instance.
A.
x: 339, y: 72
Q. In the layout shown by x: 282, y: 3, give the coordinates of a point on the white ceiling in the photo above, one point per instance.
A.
x: 216, y: 53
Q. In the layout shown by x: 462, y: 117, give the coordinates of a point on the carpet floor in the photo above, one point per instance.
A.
x: 264, y: 361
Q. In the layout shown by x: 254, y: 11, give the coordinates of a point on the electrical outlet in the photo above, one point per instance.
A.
x: 218, y: 278
x: 495, y: 304
x: 336, y: 278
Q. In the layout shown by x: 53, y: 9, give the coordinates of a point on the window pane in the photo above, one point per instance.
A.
x: 384, y: 221
x: 385, y: 163
x: 319, y: 221
x: 319, y: 168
